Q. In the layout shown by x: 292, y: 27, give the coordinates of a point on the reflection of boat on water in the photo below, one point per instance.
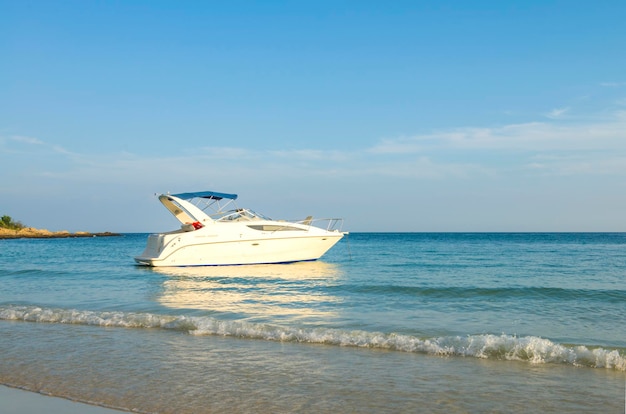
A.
x: 212, y: 235
x: 257, y: 291
x: 299, y: 270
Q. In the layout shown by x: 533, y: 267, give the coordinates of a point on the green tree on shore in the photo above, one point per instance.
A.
x: 8, y: 223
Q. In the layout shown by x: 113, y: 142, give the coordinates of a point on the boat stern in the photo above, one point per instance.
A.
x: 153, y: 250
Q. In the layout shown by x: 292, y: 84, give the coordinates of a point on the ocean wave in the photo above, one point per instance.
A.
x: 532, y: 349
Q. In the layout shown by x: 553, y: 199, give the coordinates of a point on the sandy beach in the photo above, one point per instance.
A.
x: 17, y: 401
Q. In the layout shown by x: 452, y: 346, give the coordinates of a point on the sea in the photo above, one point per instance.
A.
x: 383, y: 323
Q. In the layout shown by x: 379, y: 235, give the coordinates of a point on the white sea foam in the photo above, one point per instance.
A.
x: 532, y: 349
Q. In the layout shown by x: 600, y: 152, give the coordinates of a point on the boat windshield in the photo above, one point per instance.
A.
x: 240, y: 214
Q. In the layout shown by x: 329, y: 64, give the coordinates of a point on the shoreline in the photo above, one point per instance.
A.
x: 21, y: 401
x: 32, y: 233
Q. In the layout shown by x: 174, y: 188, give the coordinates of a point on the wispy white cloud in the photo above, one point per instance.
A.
x: 540, y: 148
x: 21, y: 144
x: 613, y: 84
x: 404, y: 144
x: 533, y: 136
x: 309, y: 155
x: 588, y: 165
x: 223, y: 153
x: 557, y: 113
x: 26, y: 140
x: 60, y: 150
x: 16, y: 143
x: 417, y: 168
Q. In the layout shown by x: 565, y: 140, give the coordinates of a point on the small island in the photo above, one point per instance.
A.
x: 10, y: 229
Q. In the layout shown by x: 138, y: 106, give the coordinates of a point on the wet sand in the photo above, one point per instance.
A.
x: 17, y: 401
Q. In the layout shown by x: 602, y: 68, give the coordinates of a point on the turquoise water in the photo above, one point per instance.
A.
x: 399, y: 322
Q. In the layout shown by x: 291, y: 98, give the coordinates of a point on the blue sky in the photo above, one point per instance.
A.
x: 408, y: 116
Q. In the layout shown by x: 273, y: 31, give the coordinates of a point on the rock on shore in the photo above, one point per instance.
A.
x: 32, y: 233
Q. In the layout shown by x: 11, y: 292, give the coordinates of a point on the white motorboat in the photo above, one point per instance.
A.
x: 212, y: 235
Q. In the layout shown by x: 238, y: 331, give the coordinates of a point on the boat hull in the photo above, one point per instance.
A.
x: 197, y: 249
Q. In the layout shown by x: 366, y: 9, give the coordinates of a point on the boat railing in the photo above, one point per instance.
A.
x: 330, y: 224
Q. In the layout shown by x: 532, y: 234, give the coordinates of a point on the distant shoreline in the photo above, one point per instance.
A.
x: 32, y: 233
